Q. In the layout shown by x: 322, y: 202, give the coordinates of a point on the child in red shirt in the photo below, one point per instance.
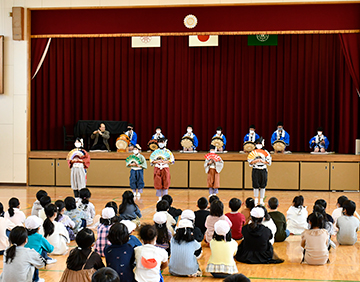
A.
x: 237, y: 219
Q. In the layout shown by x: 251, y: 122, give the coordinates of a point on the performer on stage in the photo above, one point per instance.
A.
x: 259, y: 159
x: 280, y: 134
x: 158, y: 133
x: 161, y: 158
x: 252, y: 136
x: 137, y: 163
x: 78, y: 161
x: 221, y: 135
x: 132, y: 136
x: 101, y: 137
x: 213, y: 166
x: 189, y: 133
x: 319, y: 142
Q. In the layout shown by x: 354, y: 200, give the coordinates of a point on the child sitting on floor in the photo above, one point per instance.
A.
x: 128, y: 209
x: 174, y: 212
x: 64, y: 219
x: 163, y: 234
x: 216, y: 214
x: 75, y: 214
x: 237, y: 219
x: 297, y: 216
x: 36, y: 205
x: 249, y: 205
x: 201, y: 214
x: 163, y: 206
x: 348, y: 224
x: 279, y: 219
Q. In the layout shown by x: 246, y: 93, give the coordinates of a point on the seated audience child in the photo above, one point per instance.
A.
x: 133, y: 240
x: 75, y: 214
x: 279, y: 219
x: 339, y: 208
x: 128, y: 209
x: 315, y: 241
x: 44, y: 201
x: 221, y: 262
x: 87, y: 207
x: 297, y: 216
x: 82, y: 262
x: 256, y: 247
x: 174, y: 212
x: 213, y: 198
x: 347, y: 224
x: 20, y: 262
x: 5, y: 227
x: 216, y: 214
x: 36, y: 205
x: 201, y: 214
x: 323, y: 203
x: 150, y: 260
x: 113, y: 205
x: 163, y: 234
x: 108, y: 218
x: 55, y: 232
x: 14, y: 214
x: 163, y: 206
x: 237, y: 219
x: 328, y: 226
x: 120, y: 255
x: 269, y: 223
x: 105, y: 274
x: 190, y: 215
x: 236, y: 278
x: 249, y: 205
x: 183, y: 261
x: 64, y: 219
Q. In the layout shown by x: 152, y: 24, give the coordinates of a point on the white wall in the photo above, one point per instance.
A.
x: 13, y: 104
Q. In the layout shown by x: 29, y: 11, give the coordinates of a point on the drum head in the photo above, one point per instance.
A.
x: 249, y: 146
x: 125, y: 137
x: 279, y: 145
x: 187, y: 142
x: 121, y: 144
x: 153, y: 145
x: 217, y: 142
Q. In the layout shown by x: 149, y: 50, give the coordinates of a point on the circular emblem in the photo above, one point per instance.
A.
x: 145, y: 39
x: 262, y: 37
x: 190, y: 21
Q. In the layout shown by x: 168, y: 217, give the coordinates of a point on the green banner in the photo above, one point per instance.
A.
x: 262, y: 40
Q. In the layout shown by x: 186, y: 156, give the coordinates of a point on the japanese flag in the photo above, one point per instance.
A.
x: 145, y: 41
x: 203, y: 40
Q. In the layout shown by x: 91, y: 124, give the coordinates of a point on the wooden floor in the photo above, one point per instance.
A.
x: 344, y: 260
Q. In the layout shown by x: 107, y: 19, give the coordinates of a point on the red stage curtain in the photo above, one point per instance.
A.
x: 304, y: 82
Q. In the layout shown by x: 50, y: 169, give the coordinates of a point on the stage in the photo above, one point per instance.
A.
x: 295, y: 171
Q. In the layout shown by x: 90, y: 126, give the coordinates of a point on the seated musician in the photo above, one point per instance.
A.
x: 158, y: 134
x: 252, y: 136
x: 319, y: 143
x: 280, y: 134
x: 220, y: 135
x: 101, y: 137
x: 189, y: 133
x: 132, y: 136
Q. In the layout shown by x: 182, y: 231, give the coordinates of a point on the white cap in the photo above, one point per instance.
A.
x: 160, y: 218
x: 131, y: 226
x: 257, y: 212
x: 222, y: 227
x: 185, y: 223
x: 33, y: 222
x: 107, y: 213
x: 188, y: 214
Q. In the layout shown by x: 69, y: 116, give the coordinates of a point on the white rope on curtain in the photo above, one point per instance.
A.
x: 42, y: 58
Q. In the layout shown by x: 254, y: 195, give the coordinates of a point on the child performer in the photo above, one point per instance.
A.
x: 132, y: 136
x: 137, y: 172
x: 319, y: 142
x: 79, y: 166
x: 189, y: 133
x: 158, y: 134
x: 220, y: 135
x: 259, y: 171
x: 213, y: 168
x: 252, y: 136
x: 280, y: 134
x: 161, y: 169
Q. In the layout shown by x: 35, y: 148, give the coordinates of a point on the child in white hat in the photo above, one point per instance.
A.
x: 163, y: 234
x: 108, y: 218
x: 131, y: 226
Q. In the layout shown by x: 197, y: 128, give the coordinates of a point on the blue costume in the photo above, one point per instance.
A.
x: 223, y: 137
x: 251, y: 138
x: 133, y: 137
x: 193, y: 136
x: 284, y: 136
x: 318, y: 139
x: 156, y: 136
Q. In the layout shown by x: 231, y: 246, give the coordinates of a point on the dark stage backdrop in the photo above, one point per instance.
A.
x: 304, y: 82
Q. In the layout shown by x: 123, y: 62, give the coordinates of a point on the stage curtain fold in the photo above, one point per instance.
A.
x: 39, y: 49
x: 304, y: 82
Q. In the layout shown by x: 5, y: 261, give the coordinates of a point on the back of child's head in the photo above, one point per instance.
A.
x: 273, y: 203
x: 341, y: 200
x: 222, y: 231
x: 266, y: 214
x: 108, y: 216
x: 70, y: 203
x: 105, y: 274
x: 13, y: 203
x: 257, y: 216
x: 349, y: 207
x: 160, y: 220
x: 236, y: 278
x: 113, y: 205
x: 44, y: 201
x: 202, y: 203
x: 32, y: 224
x: 250, y: 203
x: 49, y: 227
x: 216, y: 208
x: 1, y: 210
x: 316, y: 220
x: 184, y: 231
x: 17, y: 237
x: 127, y: 199
x: 321, y: 202
x: 77, y: 258
x: 162, y: 206
x: 85, y: 195
x: 298, y: 201
x: 319, y: 209
x: 234, y: 204
x: 118, y: 234
x: 60, y: 205
x: 168, y: 198
x: 147, y: 233
x: 213, y: 198
x: 40, y: 194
